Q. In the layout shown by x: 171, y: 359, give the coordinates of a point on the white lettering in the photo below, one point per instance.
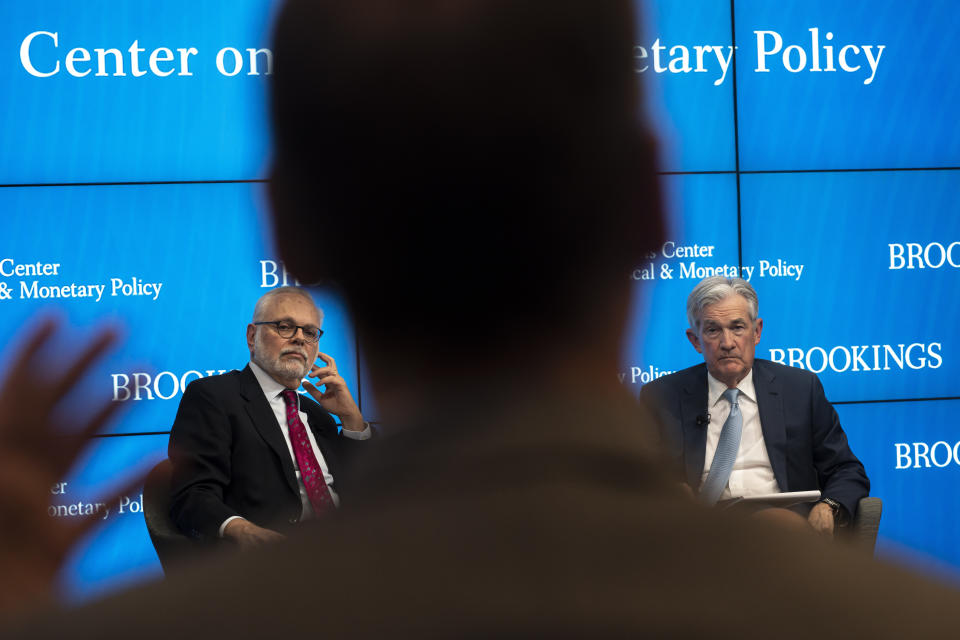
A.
x: 843, y: 57
x: 237, y: 61
x: 174, y: 390
x: 763, y: 51
x: 724, y: 63
x: 254, y: 57
x: 920, y: 450
x: 25, y: 54
x: 155, y: 57
x: 102, y: 62
x: 856, y: 358
x: 833, y: 364
x: 164, y: 385
x: 933, y: 454
x: 897, y: 260
x: 823, y: 356
x: 77, y: 56
x: 935, y: 355
x: 73, y: 57
x: 888, y: 353
x: 801, y: 58
x: 119, y: 387
x: 873, y: 62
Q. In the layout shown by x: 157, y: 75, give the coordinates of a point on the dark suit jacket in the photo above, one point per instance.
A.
x: 807, y: 447
x: 229, y: 457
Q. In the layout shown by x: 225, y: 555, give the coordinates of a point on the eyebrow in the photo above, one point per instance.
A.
x: 292, y: 321
x: 714, y: 323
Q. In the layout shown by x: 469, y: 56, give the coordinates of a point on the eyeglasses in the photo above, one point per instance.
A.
x: 288, y: 330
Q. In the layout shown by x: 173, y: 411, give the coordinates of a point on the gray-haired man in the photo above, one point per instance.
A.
x: 783, y: 434
x: 249, y: 454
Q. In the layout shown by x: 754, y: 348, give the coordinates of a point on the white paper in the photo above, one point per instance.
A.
x: 783, y: 499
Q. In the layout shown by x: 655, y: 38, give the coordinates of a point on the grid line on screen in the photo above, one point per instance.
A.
x: 776, y: 171
x: 886, y: 400
x: 133, y: 183
x: 736, y: 134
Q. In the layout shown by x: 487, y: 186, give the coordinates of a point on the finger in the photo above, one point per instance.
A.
x: 321, y: 371
x: 23, y: 500
x: 34, y: 341
x: 311, y: 388
x: 91, y: 354
x: 332, y: 380
x: 327, y: 359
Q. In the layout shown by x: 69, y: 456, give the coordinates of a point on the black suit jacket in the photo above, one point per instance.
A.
x: 807, y: 447
x: 229, y: 457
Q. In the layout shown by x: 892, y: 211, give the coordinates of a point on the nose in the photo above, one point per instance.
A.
x: 726, y: 340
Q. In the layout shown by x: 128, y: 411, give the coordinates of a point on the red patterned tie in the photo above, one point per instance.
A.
x: 310, y: 472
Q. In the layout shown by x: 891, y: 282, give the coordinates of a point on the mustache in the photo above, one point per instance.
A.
x: 299, y: 352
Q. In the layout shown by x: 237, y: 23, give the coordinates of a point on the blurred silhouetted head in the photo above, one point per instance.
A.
x: 463, y: 170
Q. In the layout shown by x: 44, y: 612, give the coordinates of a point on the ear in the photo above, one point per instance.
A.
x: 251, y: 332
x: 758, y: 327
x: 695, y: 340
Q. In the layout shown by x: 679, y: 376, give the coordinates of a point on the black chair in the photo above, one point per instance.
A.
x: 171, y: 545
x: 865, y: 524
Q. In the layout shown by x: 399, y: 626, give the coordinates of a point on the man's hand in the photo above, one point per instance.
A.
x: 39, y: 441
x: 821, y: 519
x: 336, y: 397
x: 248, y: 535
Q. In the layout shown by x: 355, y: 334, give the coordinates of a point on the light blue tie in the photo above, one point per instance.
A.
x: 726, y: 454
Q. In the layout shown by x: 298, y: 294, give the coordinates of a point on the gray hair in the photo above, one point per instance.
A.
x: 260, y: 309
x: 717, y: 288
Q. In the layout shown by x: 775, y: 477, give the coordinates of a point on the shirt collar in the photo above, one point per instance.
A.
x: 270, y: 387
x: 715, y: 388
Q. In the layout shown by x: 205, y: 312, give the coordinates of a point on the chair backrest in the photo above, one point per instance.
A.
x: 867, y: 522
x: 170, y: 544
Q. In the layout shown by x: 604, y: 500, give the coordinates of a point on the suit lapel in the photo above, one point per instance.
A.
x: 693, y: 408
x: 265, y: 423
x: 772, y: 422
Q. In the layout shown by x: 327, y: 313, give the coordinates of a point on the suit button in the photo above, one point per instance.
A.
x: 293, y: 521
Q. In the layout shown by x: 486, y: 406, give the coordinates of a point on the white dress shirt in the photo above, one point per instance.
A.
x: 752, y: 474
x: 273, y: 391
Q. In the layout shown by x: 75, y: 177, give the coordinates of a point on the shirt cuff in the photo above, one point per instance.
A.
x: 358, y: 435
x: 226, y: 522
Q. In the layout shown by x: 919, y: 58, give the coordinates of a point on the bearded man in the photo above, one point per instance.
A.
x: 249, y: 454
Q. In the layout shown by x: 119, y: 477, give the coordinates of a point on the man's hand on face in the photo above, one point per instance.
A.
x: 821, y: 519
x: 248, y: 535
x: 336, y: 397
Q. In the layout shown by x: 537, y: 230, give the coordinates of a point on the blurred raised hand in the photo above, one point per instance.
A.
x: 40, y: 438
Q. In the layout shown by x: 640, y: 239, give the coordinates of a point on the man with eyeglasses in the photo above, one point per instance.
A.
x: 249, y: 454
